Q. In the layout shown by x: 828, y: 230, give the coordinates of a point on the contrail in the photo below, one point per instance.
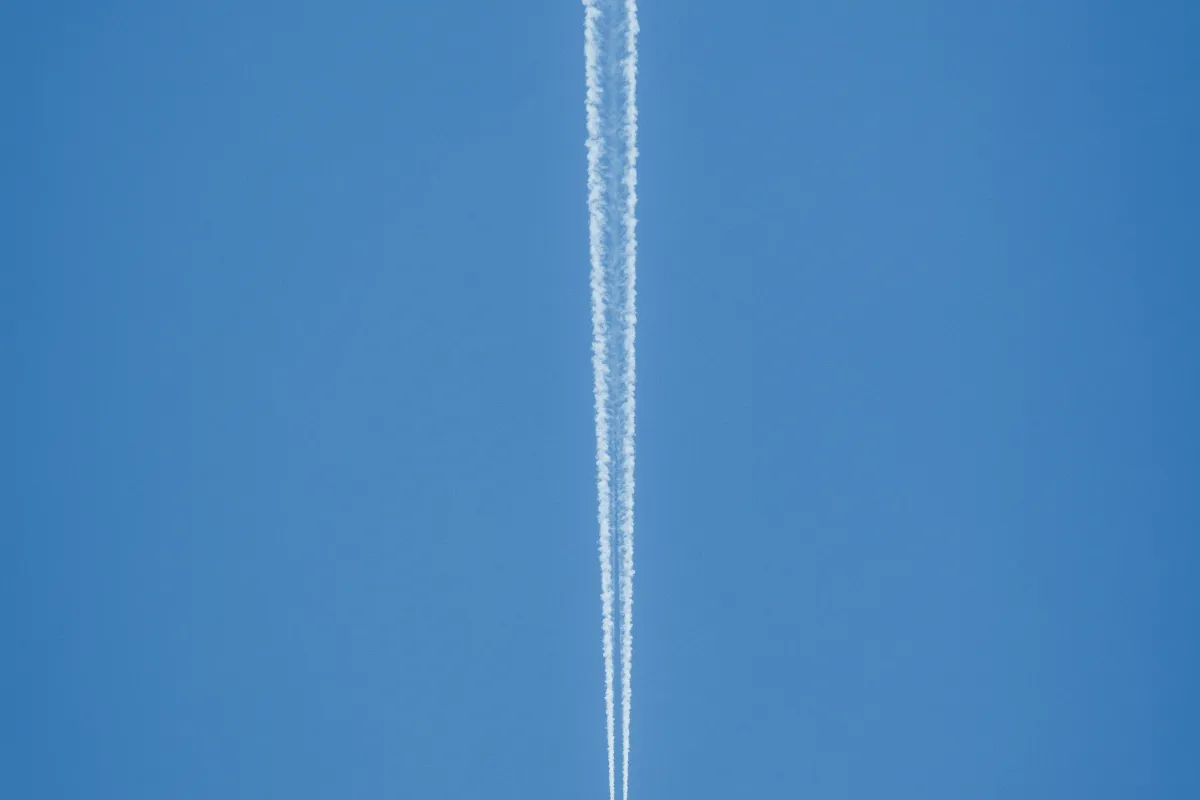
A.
x: 629, y: 380
x: 610, y: 45
x: 597, y: 223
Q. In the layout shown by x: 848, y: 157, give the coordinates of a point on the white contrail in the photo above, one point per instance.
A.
x: 628, y: 380
x: 597, y: 214
x: 611, y: 53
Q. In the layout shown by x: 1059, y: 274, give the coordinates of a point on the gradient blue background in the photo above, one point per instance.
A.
x: 298, y: 498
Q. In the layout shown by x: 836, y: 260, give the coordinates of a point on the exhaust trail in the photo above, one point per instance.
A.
x: 610, y: 47
x: 629, y: 378
x: 597, y: 230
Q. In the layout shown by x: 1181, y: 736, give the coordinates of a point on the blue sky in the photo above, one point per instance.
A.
x: 298, y: 463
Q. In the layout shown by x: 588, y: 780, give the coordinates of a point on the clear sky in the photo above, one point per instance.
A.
x: 298, y: 482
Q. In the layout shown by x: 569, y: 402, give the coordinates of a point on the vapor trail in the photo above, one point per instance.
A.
x: 597, y: 222
x: 628, y: 379
x: 610, y: 44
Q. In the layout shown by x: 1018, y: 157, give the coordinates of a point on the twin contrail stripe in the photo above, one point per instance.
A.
x: 597, y: 223
x: 629, y: 378
x: 610, y: 48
